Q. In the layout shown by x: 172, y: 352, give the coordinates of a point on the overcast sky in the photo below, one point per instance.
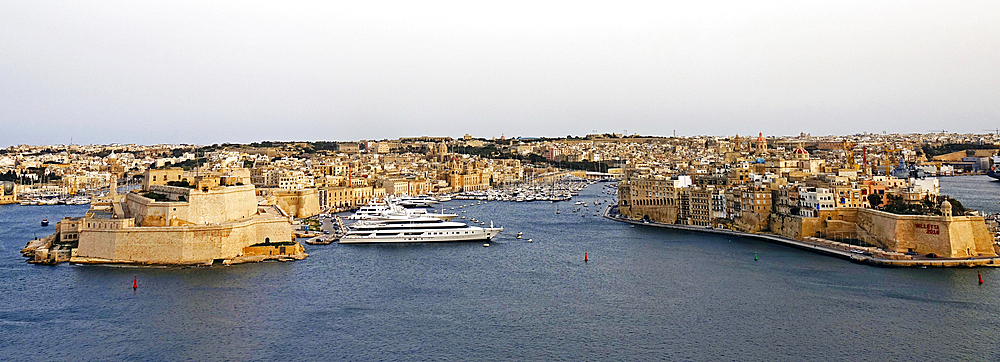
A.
x: 211, y: 71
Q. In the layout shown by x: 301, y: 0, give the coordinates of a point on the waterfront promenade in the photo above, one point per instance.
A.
x: 822, y: 249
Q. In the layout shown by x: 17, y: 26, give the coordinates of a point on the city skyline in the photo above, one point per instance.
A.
x: 214, y: 73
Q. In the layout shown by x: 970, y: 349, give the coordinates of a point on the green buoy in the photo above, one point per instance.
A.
x: 755, y: 256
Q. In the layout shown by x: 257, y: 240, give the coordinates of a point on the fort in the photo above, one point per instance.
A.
x: 173, y: 220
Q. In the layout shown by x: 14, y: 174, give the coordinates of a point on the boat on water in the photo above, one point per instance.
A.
x: 374, y: 209
x: 994, y: 172
x: 411, y: 201
x: 392, y: 211
x: 415, y: 230
x: 45, y: 222
x: 397, y: 212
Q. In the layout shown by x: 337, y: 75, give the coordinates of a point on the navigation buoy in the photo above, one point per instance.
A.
x: 980, y: 277
x: 755, y: 256
x: 585, y: 259
x: 135, y: 283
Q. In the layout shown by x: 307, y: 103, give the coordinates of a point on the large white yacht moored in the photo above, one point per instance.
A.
x: 389, y: 210
x: 415, y: 230
x: 372, y: 210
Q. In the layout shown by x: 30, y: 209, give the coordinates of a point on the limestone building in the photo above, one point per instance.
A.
x: 7, y: 195
x: 215, y: 219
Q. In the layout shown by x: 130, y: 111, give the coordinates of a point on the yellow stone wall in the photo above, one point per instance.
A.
x: 298, y: 203
x: 220, y: 204
x: 181, y: 244
x: 954, y: 237
x: 270, y: 250
x: 202, y: 207
x: 149, y: 213
x: 160, y: 177
x: 656, y: 213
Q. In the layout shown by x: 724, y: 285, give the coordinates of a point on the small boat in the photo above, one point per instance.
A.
x: 45, y: 222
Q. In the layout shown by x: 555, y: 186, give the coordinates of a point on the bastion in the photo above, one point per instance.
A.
x: 208, y: 220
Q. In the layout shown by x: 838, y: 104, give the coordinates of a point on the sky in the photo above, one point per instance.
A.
x: 148, y: 72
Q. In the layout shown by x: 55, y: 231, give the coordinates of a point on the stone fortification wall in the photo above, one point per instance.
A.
x: 222, y: 204
x: 181, y: 244
x: 955, y: 237
x: 656, y: 213
x: 147, y: 212
x: 161, y: 177
x: 794, y: 227
x: 298, y: 203
x: 839, y: 223
x: 213, y: 206
x: 752, y: 222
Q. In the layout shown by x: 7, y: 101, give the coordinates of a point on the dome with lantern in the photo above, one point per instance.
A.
x: 800, y: 153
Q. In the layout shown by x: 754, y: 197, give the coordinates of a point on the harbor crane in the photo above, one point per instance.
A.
x: 888, y: 157
x: 848, y: 148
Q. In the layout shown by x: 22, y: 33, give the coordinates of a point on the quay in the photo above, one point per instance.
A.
x: 817, y: 248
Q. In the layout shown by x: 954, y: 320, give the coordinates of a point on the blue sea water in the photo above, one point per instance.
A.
x: 645, y: 294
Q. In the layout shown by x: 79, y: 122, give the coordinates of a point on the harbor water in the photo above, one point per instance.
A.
x: 645, y: 294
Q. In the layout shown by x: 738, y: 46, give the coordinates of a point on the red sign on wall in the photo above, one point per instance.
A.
x: 929, y: 228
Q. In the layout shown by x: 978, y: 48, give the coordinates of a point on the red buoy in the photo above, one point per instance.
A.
x: 135, y: 283
x: 980, y: 278
x: 585, y: 258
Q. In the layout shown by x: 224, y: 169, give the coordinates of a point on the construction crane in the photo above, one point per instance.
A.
x: 888, y: 158
x: 848, y: 148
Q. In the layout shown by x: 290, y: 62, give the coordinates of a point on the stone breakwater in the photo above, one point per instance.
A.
x: 864, y: 255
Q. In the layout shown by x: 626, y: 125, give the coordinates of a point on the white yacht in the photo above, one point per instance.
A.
x: 372, y: 210
x: 415, y: 230
x: 397, y: 212
x: 418, y: 201
x: 389, y: 210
